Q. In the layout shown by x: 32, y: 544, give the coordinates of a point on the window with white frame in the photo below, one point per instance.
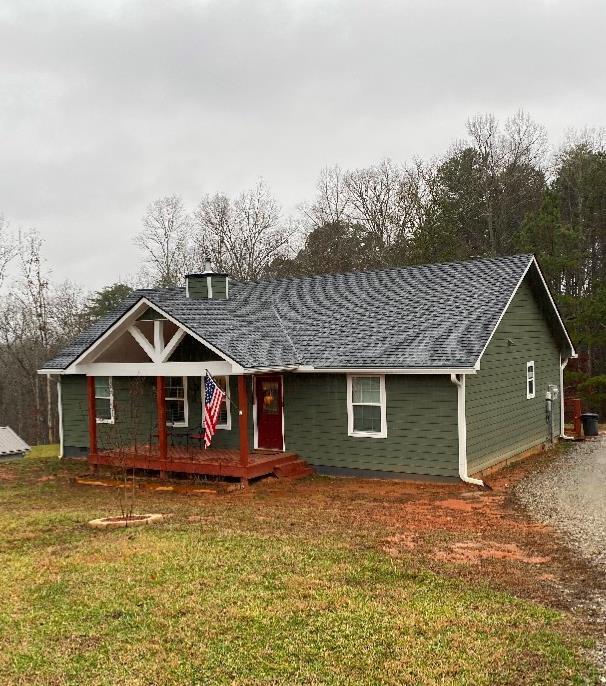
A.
x: 530, y: 380
x: 175, y: 394
x: 104, y: 400
x: 224, y: 419
x: 366, y: 406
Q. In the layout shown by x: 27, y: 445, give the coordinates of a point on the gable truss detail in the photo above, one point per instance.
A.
x: 158, y: 352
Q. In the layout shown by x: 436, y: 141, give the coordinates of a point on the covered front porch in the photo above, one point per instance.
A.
x: 145, y: 402
x: 181, y: 451
x: 215, y: 462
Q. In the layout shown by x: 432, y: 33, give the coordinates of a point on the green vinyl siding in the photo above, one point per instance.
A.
x: 421, y: 424
x: 501, y: 421
x: 74, y: 411
x: 135, y: 413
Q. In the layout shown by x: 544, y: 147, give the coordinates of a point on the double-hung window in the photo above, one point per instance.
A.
x: 224, y: 419
x: 175, y: 395
x: 104, y: 400
x: 366, y: 406
x: 530, y: 380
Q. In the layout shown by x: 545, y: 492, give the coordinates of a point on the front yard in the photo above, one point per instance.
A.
x: 314, y: 582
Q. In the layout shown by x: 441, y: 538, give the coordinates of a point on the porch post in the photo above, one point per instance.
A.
x: 92, y: 415
x: 161, y: 416
x: 243, y: 420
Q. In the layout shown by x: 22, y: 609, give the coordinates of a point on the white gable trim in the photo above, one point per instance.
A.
x: 555, y: 307
x: 122, y: 325
x: 532, y: 261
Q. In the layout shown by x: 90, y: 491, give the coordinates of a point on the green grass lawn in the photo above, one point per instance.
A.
x: 44, y: 451
x: 244, y: 589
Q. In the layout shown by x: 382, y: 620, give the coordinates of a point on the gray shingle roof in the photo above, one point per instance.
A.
x: 432, y: 316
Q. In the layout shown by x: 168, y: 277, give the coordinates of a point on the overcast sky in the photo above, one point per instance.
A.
x: 107, y: 105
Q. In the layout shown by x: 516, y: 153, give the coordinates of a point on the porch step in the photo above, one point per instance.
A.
x: 294, y: 468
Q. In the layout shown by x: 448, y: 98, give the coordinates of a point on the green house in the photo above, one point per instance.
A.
x: 437, y: 371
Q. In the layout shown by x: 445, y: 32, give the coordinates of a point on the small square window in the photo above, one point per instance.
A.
x: 530, y: 380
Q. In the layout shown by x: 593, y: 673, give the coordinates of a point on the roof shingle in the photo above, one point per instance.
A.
x: 431, y: 316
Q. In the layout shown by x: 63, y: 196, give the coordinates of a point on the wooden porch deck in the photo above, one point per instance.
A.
x: 211, y: 462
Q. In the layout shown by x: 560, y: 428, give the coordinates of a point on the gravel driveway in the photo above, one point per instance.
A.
x: 571, y: 496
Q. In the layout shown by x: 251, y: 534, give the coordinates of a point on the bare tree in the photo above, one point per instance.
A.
x: 165, y: 240
x: 25, y: 335
x: 8, y: 247
x: 376, y: 196
x: 509, y: 163
x: 245, y: 234
x: 332, y: 199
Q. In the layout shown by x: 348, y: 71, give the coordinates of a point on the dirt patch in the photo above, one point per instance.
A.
x: 7, y: 475
x: 460, y: 505
x: 470, y: 552
x: 187, y: 488
x: 468, y: 533
x: 394, y: 544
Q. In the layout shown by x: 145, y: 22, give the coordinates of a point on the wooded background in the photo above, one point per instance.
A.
x: 501, y: 190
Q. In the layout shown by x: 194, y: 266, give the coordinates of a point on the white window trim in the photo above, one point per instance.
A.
x: 382, y: 404
x: 227, y: 425
x: 530, y: 395
x: 185, y: 406
x: 112, y: 420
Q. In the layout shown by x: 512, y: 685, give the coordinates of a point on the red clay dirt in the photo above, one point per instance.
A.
x: 458, y: 530
x: 454, y: 529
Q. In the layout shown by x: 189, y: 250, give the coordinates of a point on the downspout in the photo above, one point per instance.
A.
x: 562, y: 433
x: 462, y: 431
x: 60, y: 413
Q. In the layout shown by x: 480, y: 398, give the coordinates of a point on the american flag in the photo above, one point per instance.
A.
x: 213, y: 397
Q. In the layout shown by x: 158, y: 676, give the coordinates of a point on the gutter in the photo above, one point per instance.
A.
x: 462, y: 431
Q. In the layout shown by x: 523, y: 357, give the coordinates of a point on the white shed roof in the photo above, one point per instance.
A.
x: 10, y: 443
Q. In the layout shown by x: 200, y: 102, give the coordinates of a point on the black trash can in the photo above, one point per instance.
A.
x: 590, y: 423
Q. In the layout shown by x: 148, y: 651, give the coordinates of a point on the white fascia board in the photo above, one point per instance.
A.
x: 291, y: 368
x: 215, y: 368
x: 270, y: 370
x: 115, y: 330
x: 121, y: 326
x: 384, y: 370
x: 496, y: 326
x: 555, y: 308
x: 532, y: 261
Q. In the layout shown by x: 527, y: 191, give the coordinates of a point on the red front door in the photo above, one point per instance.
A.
x: 268, y: 390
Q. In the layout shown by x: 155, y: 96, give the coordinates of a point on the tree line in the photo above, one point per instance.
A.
x: 498, y: 191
